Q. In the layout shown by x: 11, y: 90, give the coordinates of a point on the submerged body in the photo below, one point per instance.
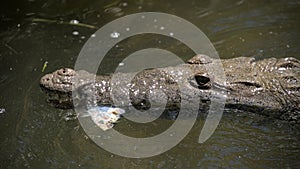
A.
x: 270, y: 86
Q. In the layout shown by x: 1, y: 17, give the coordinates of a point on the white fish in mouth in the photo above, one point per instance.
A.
x: 105, y: 117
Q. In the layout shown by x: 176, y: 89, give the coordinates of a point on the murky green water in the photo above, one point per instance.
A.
x: 34, y: 134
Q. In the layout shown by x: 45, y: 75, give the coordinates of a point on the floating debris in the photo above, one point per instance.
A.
x: 11, y: 48
x: 105, y: 117
x: 75, y: 23
x: 113, y: 10
x: 44, y: 66
x: 2, y: 110
x: 111, y: 4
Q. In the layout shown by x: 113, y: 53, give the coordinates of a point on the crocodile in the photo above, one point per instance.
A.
x: 270, y: 86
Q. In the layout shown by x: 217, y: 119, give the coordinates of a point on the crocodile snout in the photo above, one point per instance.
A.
x: 60, y: 80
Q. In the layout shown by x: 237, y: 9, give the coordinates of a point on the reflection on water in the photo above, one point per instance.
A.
x: 36, y: 135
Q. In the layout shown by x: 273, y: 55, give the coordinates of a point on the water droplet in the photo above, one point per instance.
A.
x: 74, y: 21
x: 127, y: 29
x: 82, y: 37
x: 115, y: 35
x: 75, y: 33
x: 143, y: 17
x: 155, y: 20
x: 93, y: 35
x: 121, y: 64
x: 162, y: 28
x: 288, y: 46
x: 171, y: 34
x: 19, y: 25
x: 124, y: 4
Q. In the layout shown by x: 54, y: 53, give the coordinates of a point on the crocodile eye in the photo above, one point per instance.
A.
x: 201, y: 81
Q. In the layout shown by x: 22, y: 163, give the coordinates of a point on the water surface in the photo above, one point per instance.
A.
x: 34, y: 134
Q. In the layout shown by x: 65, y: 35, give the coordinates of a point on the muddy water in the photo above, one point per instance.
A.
x: 34, y: 134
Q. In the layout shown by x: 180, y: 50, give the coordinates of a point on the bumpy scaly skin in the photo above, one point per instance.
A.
x: 270, y: 86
